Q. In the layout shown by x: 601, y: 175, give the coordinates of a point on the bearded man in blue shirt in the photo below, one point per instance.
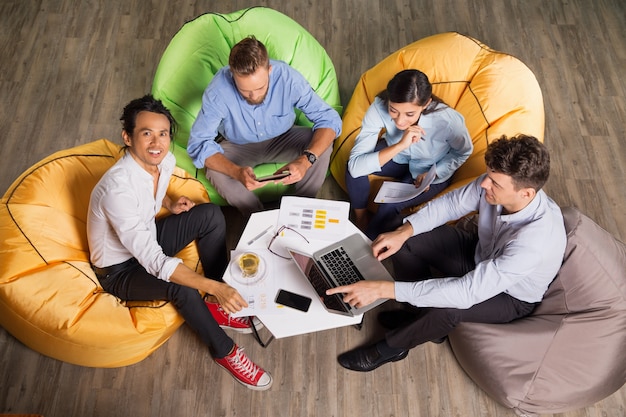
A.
x: 247, y: 118
x: 494, y: 275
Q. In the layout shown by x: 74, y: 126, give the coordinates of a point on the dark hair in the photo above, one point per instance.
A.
x: 247, y: 56
x: 145, y: 103
x: 411, y: 86
x: 522, y: 157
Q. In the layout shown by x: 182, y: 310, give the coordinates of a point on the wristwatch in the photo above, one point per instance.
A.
x: 310, y: 156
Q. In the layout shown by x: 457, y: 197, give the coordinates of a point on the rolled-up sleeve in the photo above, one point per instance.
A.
x: 204, y: 131
x: 320, y: 113
x: 363, y: 160
x: 458, y: 139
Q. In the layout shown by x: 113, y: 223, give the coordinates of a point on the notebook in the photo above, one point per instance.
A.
x: 349, y: 260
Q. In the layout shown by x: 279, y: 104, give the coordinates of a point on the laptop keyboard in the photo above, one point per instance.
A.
x: 318, y: 282
x: 320, y: 286
x: 341, y: 267
x: 334, y: 304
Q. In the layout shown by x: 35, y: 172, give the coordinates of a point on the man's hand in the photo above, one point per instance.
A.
x: 297, y: 169
x: 322, y: 139
x: 183, y: 204
x: 386, y: 244
x: 363, y: 293
x: 246, y: 176
x: 228, y: 297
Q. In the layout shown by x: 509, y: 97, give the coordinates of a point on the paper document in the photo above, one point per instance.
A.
x: 396, y: 192
x: 258, y: 290
x: 315, y: 218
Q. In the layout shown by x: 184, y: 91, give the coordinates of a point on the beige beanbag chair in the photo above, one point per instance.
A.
x: 571, y: 352
x: 50, y: 299
x: 496, y: 94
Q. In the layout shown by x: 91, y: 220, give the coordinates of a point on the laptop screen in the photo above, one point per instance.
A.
x: 316, y: 277
x: 307, y: 265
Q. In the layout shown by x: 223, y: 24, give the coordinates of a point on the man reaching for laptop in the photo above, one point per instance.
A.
x: 495, y: 275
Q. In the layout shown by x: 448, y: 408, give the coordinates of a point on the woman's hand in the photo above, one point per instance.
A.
x: 412, y: 134
x: 419, y: 179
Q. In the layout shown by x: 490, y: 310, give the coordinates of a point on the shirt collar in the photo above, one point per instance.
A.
x: 129, y: 161
x: 524, y: 213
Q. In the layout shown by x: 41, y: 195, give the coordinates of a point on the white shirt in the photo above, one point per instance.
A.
x: 121, y: 219
x: 518, y: 254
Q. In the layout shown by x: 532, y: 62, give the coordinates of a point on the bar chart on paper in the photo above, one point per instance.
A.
x: 313, y: 217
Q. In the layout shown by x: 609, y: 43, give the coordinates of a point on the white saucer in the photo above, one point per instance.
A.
x: 237, y: 274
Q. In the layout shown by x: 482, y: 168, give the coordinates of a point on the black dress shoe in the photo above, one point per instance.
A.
x: 367, y: 359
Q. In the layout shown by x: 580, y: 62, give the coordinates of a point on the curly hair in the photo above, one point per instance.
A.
x: 522, y: 157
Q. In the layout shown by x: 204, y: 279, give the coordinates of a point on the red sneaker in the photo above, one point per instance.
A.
x: 238, y: 324
x: 245, y: 371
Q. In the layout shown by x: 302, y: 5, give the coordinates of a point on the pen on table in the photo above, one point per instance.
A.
x: 257, y: 237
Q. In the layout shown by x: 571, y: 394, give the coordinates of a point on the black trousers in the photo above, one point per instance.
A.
x: 130, y: 281
x: 451, y: 251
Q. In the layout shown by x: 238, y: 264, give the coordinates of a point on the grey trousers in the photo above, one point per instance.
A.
x: 284, y: 148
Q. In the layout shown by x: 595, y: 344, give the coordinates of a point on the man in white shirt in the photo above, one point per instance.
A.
x: 132, y: 253
x: 495, y: 275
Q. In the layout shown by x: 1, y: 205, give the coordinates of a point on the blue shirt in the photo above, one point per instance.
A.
x: 226, y: 112
x: 518, y: 254
x: 446, y: 143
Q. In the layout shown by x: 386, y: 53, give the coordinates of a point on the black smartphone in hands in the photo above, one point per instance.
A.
x: 274, y: 177
x: 293, y: 300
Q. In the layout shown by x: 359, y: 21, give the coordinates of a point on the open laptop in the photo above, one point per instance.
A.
x: 341, y: 263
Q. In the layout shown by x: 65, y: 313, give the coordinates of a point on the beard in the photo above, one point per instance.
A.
x: 255, y: 102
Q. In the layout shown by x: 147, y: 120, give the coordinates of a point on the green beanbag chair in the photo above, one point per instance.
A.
x: 202, y: 46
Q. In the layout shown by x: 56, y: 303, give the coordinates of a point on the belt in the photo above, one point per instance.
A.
x: 113, y: 269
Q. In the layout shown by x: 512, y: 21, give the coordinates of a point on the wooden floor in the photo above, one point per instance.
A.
x: 68, y: 67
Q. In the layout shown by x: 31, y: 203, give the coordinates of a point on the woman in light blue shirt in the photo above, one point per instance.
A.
x: 420, y: 131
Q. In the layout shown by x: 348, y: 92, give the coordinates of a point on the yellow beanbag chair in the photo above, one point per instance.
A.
x: 50, y: 299
x: 495, y: 92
